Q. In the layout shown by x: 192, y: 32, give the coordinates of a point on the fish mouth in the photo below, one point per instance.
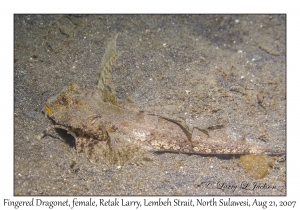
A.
x: 76, y: 138
x: 67, y: 137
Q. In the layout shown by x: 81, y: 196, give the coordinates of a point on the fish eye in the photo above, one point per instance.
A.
x: 63, y: 100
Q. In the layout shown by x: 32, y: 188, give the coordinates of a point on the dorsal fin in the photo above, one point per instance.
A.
x: 105, y: 82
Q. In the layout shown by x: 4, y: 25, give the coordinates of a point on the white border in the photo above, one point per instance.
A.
x: 216, y: 6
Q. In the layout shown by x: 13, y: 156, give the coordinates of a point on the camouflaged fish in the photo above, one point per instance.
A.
x: 98, y: 123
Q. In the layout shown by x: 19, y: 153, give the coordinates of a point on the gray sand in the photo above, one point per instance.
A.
x: 209, y: 70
